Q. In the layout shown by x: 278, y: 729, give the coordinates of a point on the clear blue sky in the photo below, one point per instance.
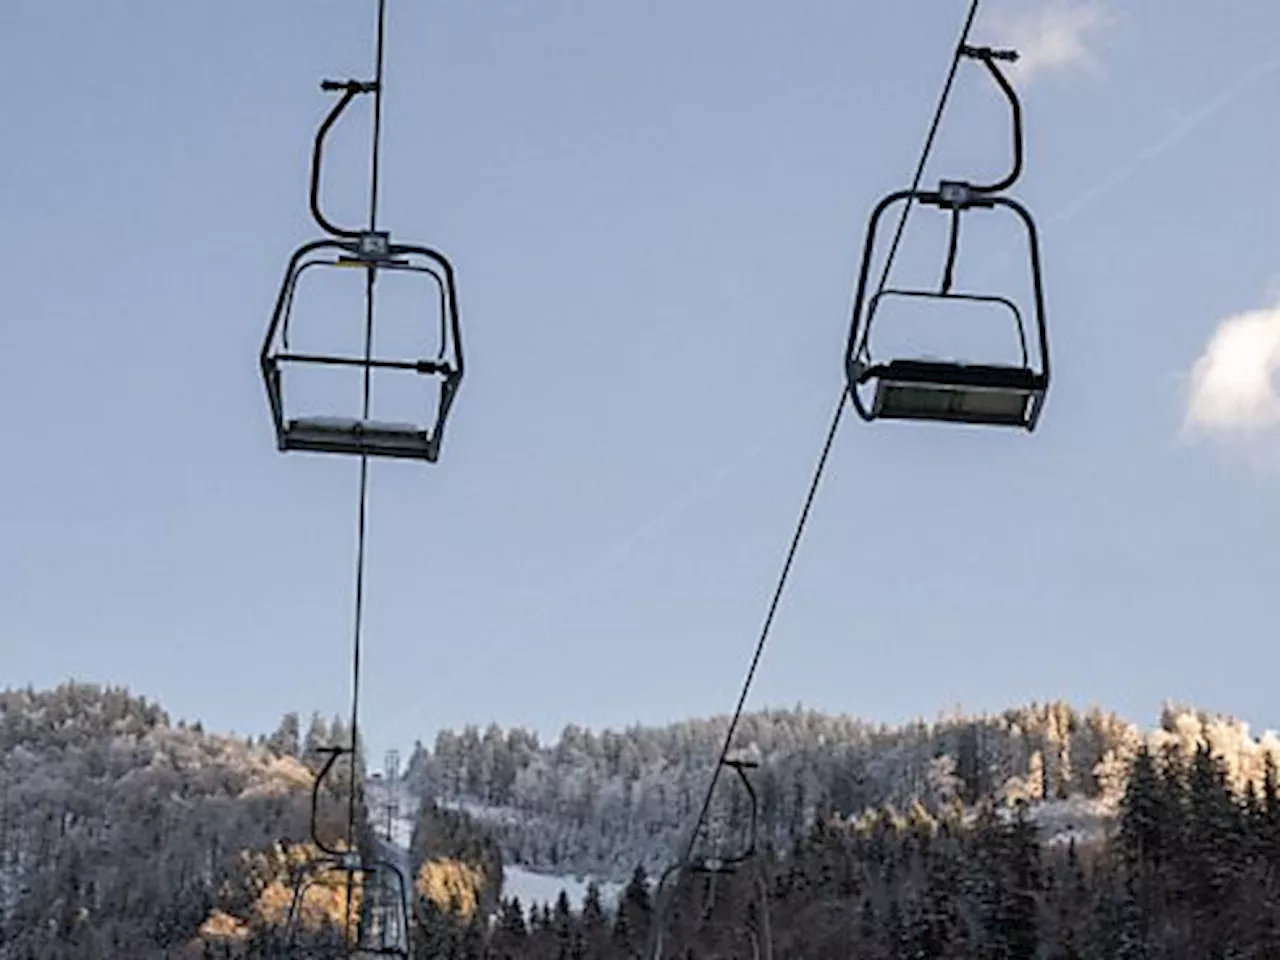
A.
x: 655, y: 211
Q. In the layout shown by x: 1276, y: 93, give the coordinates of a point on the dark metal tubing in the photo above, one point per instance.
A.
x: 953, y: 250
x: 989, y: 58
x: 421, y: 366
x: 400, y: 266
x: 1019, y: 323
x: 333, y: 754
x: 727, y: 864
x: 351, y: 89
x: 293, y: 287
x: 279, y: 319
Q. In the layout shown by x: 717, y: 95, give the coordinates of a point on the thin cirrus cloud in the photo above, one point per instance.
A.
x: 1053, y: 36
x: 1233, y: 389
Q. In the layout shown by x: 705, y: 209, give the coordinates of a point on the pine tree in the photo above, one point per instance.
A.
x: 286, y: 741
x: 317, y: 736
x: 1214, y: 846
x: 634, y: 915
x: 1147, y: 823
x: 1021, y: 856
x: 595, y: 925
x: 511, y: 933
x: 561, y: 923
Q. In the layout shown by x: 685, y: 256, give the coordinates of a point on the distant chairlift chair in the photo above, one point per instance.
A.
x: 372, y: 251
x: 382, y: 924
x: 919, y: 389
x: 711, y: 868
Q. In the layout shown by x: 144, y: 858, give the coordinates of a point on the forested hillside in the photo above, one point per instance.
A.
x: 1189, y: 874
x: 1044, y: 833
x: 912, y: 850
x: 124, y: 835
x: 599, y: 803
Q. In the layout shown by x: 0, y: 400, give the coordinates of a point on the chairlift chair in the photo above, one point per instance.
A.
x: 712, y: 867
x: 946, y: 391
x: 371, y: 251
x: 382, y: 927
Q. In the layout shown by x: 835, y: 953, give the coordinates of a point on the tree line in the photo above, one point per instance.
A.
x: 1189, y: 871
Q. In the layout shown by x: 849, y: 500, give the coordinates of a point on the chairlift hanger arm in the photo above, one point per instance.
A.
x: 332, y: 755
x: 990, y: 58
x: 729, y: 864
x: 350, y: 90
x: 740, y: 767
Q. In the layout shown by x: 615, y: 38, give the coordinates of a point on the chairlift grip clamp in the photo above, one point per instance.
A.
x: 956, y: 195
x: 352, y: 87
x: 989, y: 53
x: 373, y: 246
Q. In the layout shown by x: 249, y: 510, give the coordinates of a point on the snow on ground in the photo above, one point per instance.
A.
x: 402, y: 825
x: 1076, y: 818
x: 1079, y: 818
x: 529, y: 885
x: 545, y: 888
x: 481, y: 812
x: 1059, y: 821
x: 517, y: 881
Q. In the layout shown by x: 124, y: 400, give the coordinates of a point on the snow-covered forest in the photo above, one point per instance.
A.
x: 1188, y: 873
x: 600, y: 803
x: 1041, y: 832
x: 122, y: 834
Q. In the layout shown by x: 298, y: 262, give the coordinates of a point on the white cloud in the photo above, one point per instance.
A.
x: 1055, y: 35
x: 1234, y: 390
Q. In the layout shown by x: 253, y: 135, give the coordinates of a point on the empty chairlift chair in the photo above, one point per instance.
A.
x: 380, y: 925
x: 371, y: 252
x: 943, y: 391
x: 754, y: 936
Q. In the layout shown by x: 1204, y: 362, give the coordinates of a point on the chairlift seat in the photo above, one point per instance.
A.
x: 354, y: 436
x: 987, y: 394
x: 365, y: 951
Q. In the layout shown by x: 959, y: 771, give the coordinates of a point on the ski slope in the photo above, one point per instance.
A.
x: 531, y: 887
